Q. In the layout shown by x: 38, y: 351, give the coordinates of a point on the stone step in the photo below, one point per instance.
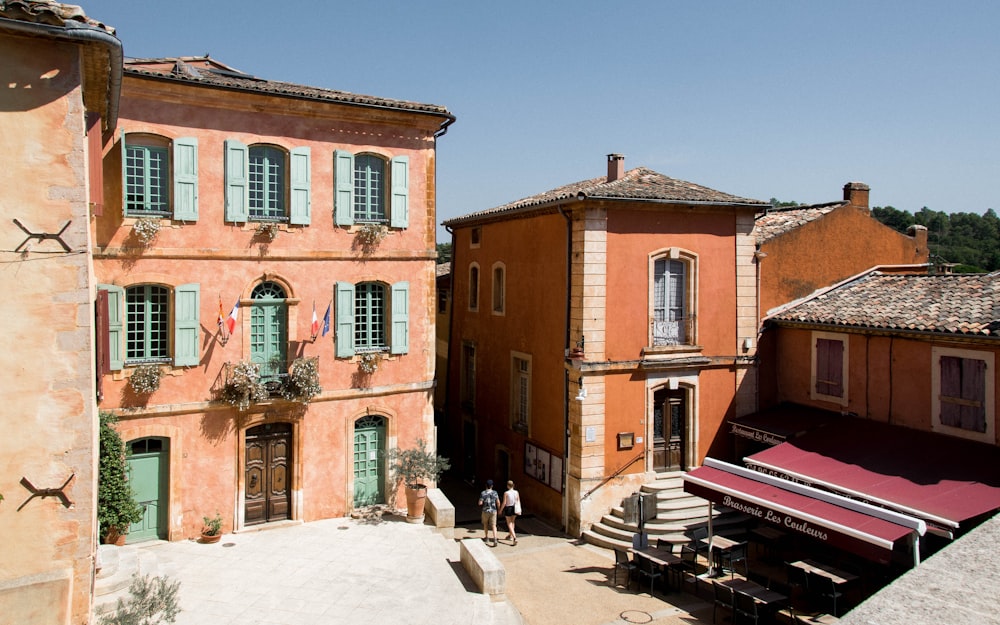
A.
x: 131, y: 561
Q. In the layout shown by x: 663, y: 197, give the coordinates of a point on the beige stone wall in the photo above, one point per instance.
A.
x: 48, y: 420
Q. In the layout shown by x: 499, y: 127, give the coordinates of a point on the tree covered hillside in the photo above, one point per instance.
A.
x: 970, y: 240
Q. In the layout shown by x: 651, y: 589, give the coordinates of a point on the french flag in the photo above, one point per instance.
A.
x: 315, y: 322
x: 233, y: 315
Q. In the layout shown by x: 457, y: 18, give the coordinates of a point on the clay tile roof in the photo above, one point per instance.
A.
x: 776, y: 221
x: 207, y: 71
x: 962, y: 304
x: 637, y: 184
x: 48, y: 13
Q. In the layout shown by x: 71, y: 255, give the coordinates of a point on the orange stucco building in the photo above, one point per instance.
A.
x: 271, y: 208
x: 601, y: 332
x: 61, y: 72
x: 805, y: 248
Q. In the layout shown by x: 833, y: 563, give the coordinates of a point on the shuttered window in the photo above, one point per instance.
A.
x: 146, y: 317
x: 963, y: 393
x: 830, y: 367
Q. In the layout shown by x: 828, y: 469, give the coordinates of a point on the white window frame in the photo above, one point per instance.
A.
x: 990, y: 393
x: 829, y: 336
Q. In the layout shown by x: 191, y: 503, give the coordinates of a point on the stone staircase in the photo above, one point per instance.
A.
x: 118, y: 566
x: 677, y: 513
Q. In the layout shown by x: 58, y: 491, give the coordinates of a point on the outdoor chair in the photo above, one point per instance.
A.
x: 648, y: 568
x: 723, y: 599
x: 824, y: 589
x: 798, y: 589
x: 745, y: 609
x: 736, y: 553
x: 622, y: 562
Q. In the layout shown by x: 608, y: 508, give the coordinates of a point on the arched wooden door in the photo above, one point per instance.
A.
x: 669, y: 429
x: 149, y: 474
x: 369, y: 461
x: 268, y: 473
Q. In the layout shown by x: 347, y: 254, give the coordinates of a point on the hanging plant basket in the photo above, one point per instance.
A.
x: 145, y: 379
x: 369, y: 363
x: 268, y: 230
x: 243, y: 386
x: 370, y: 235
x: 302, y: 383
x: 146, y: 229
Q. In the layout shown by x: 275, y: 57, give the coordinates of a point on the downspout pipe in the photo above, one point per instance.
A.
x: 450, y: 358
x: 80, y: 32
x: 569, y: 288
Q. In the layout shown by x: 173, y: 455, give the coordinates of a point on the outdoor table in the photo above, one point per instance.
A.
x: 770, y: 600
x: 660, y: 557
x: 825, y: 570
x: 716, y: 547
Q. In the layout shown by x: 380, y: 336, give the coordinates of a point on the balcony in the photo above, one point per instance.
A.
x: 673, y: 332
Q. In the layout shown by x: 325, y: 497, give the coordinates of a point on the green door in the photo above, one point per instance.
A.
x: 269, y: 330
x: 148, y: 467
x: 369, y: 461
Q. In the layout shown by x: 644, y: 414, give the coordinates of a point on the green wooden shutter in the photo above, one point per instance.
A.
x: 237, y: 181
x: 186, y: 179
x: 116, y: 332
x: 301, y: 181
x: 187, y: 325
x: 345, y: 319
x: 124, y: 175
x: 399, y: 211
x: 343, y: 190
x: 400, y: 318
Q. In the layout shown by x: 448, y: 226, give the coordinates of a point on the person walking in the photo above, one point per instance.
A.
x: 511, y: 508
x: 488, y: 500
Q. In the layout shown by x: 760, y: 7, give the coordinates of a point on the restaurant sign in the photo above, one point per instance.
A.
x: 755, y: 435
x: 778, y: 518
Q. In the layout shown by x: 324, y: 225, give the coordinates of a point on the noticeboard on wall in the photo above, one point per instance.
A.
x: 543, y: 465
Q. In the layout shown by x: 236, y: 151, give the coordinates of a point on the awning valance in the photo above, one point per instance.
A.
x: 866, y: 530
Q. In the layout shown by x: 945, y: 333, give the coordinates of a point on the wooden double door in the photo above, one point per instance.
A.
x: 669, y: 429
x: 268, y: 473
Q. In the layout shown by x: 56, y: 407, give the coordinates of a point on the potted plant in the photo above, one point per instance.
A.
x: 243, y: 385
x: 267, y: 230
x: 145, y: 379
x: 302, y: 383
x: 413, y: 468
x: 368, y: 362
x: 116, y: 505
x: 211, y: 532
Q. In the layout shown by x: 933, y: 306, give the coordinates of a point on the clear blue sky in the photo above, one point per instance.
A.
x: 786, y: 99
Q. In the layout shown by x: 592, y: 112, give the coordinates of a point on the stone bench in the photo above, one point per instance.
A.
x: 441, y: 512
x: 484, y: 568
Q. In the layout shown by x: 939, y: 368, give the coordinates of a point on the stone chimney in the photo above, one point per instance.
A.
x: 616, y: 167
x: 857, y: 194
x: 919, y: 234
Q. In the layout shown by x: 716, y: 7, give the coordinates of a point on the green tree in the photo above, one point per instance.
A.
x: 444, y: 253
x: 116, y: 505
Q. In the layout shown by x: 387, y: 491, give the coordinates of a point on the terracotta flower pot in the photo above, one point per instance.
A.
x: 210, y: 538
x: 415, y: 499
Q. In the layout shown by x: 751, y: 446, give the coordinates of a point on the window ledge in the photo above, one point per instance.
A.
x: 670, y: 350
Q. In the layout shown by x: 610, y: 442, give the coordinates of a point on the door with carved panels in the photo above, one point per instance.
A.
x: 669, y: 429
x: 268, y: 473
x: 369, y: 461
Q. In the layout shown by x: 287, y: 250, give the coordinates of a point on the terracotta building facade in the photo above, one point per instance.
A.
x: 276, y: 230
x: 601, y: 333
x: 61, y: 72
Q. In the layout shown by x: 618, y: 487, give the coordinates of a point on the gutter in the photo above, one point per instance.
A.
x: 79, y: 32
x: 566, y: 341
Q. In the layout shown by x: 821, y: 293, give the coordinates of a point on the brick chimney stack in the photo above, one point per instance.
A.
x: 857, y: 194
x: 616, y: 167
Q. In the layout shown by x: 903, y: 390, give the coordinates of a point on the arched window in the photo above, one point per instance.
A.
x: 474, y: 287
x: 672, y: 306
x: 269, y: 329
x: 159, y: 176
x: 499, y: 288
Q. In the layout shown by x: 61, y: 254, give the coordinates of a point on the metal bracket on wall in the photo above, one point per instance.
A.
x: 42, y: 236
x: 47, y: 492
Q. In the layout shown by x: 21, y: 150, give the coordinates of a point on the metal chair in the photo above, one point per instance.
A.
x: 745, y: 609
x: 824, y: 589
x: 729, y: 557
x: 798, y: 589
x: 723, y: 599
x: 647, y: 568
x: 622, y: 562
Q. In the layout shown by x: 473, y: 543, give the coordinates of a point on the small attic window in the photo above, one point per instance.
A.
x: 475, y: 236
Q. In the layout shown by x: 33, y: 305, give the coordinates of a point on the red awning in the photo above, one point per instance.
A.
x: 941, y: 479
x: 828, y: 518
